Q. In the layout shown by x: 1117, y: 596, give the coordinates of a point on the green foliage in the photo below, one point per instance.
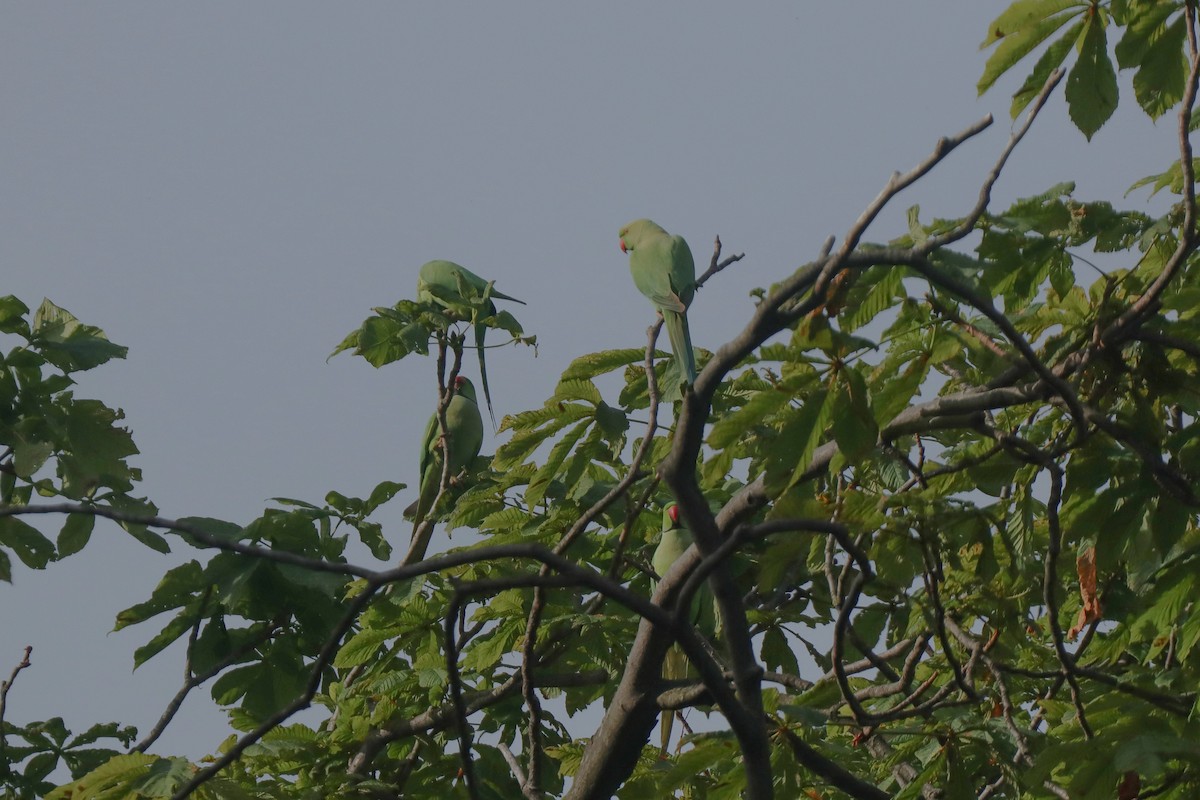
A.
x: 35, y: 750
x: 961, y: 481
x: 1152, y: 43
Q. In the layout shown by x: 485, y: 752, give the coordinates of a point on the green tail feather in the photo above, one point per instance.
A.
x: 675, y: 668
x: 480, y: 334
x: 681, y: 341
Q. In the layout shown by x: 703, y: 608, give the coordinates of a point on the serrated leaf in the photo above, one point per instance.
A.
x: 514, y: 452
x: 1021, y: 42
x: 1049, y: 61
x: 110, y: 779
x: 1092, y: 83
x: 486, y: 651
x: 361, y: 647
x: 68, y: 343
x: 802, y: 433
x: 548, y: 471
x: 1159, y: 83
x: 734, y: 425
x: 852, y: 420
x: 176, y: 589
x: 177, y: 627
x: 881, y: 296
x: 583, y: 390
x: 1143, y: 29
x: 593, y: 364
x: 1022, y: 15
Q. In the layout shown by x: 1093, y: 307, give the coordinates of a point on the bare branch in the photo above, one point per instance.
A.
x: 24, y: 663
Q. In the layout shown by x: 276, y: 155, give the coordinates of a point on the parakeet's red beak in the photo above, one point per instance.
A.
x: 623, y: 250
x: 673, y: 513
x: 459, y: 380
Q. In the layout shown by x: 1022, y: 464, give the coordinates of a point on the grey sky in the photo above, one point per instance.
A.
x: 227, y: 188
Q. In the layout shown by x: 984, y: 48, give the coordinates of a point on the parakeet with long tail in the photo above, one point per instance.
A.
x: 445, y: 275
x: 703, y: 612
x: 664, y: 271
x: 464, y: 435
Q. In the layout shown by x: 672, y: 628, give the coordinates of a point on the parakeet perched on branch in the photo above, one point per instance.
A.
x: 675, y: 541
x: 464, y: 434
x: 446, y: 276
x: 663, y: 270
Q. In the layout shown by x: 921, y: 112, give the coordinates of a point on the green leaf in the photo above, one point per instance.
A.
x: 1143, y: 30
x: 361, y: 647
x: 12, y: 316
x: 734, y: 425
x: 381, y: 494
x: 777, y: 654
x: 99, y: 449
x: 75, y: 533
x: 176, y: 589
x: 1049, y: 61
x: 164, y: 777
x: 1021, y: 41
x: 1168, y: 522
x: 593, y: 364
x: 1023, y: 15
x: 853, y: 421
x: 487, y: 650
x: 177, y: 627
x: 548, y: 471
x: 69, y: 344
x: 881, y: 295
x: 34, y: 549
x: 1092, y: 83
x: 29, y: 455
x: 1159, y: 84
x: 583, y: 390
x: 802, y: 433
x: 112, y: 779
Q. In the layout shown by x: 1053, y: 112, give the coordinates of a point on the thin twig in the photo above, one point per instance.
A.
x: 24, y: 663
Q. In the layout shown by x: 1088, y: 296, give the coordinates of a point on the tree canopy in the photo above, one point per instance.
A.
x: 941, y: 488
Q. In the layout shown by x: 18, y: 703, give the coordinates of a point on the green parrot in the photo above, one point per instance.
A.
x: 675, y: 541
x: 663, y: 270
x: 446, y: 275
x: 464, y: 427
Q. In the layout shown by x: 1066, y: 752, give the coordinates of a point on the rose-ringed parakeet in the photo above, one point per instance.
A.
x: 703, y: 612
x: 663, y: 270
x: 464, y: 434
x: 446, y: 275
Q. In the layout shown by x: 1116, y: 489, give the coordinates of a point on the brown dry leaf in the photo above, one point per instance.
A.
x: 1131, y: 787
x: 1090, y: 611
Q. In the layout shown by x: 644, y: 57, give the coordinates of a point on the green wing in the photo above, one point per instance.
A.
x: 464, y: 429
